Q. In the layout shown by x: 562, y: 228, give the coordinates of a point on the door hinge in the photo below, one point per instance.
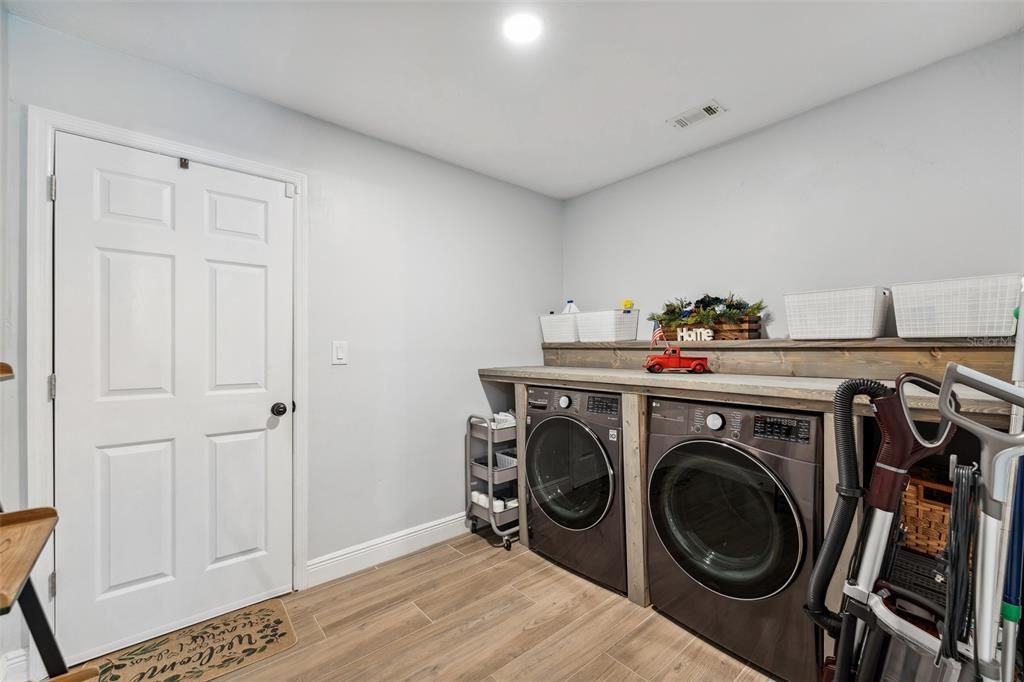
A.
x: 52, y: 381
x: 53, y: 188
x: 53, y: 585
x: 289, y: 190
x: 183, y: 163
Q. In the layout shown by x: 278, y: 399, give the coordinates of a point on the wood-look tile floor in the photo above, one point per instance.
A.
x: 469, y: 610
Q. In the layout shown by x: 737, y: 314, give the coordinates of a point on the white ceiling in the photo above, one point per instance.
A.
x: 583, y: 107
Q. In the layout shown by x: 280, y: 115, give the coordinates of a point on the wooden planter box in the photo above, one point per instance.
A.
x: 747, y: 328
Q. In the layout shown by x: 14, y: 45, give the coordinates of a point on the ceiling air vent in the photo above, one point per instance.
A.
x: 697, y: 114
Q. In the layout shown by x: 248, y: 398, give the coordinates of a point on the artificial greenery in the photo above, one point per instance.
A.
x: 706, y: 311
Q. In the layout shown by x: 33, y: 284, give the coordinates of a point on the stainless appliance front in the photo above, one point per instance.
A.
x: 734, y: 521
x: 574, y: 473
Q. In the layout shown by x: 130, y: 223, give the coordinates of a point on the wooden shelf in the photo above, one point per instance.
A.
x: 882, y: 359
x: 23, y: 534
x: 884, y: 342
x: 6, y: 371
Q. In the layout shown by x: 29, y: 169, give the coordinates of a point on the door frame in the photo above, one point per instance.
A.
x: 43, y: 126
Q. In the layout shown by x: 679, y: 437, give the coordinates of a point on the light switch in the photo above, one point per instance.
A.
x: 339, y: 352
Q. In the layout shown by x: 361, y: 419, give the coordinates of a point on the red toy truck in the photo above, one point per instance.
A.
x: 672, y: 359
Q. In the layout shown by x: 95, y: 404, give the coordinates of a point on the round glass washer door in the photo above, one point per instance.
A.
x: 726, y: 520
x: 569, y: 473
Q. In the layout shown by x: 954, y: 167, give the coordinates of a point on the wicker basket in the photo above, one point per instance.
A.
x: 926, y: 516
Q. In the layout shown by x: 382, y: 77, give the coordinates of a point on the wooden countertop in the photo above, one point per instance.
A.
x: 723, y: 344
x: 794, y: 392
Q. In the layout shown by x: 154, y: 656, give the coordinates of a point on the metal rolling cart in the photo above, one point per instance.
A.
x: 487, y: 470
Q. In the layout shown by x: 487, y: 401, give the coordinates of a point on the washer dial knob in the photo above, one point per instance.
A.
x: 715, y: 421
x: 564, y: 402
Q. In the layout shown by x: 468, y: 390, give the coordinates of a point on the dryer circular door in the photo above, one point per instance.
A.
x: 569, y: 473
x: 726, y: 520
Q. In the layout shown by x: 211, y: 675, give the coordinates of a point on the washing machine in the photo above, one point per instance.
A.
x: 734, y: 521
x: 574, y: 474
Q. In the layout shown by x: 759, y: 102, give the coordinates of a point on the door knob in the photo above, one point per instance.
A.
x: 278, y: 409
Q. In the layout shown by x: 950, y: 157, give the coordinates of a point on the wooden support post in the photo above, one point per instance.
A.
x: 634, y: 471
x: 524, y: 491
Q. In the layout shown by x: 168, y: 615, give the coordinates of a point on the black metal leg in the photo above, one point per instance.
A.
x: 39, y: 627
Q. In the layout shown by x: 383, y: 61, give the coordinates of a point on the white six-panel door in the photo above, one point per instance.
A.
x: 172, y: 341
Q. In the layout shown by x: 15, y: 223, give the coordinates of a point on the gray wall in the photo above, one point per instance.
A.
x: 917, y: 178
x: 411, y: 261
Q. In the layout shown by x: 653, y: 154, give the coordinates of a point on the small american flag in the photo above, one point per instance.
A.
x: 658, y: 335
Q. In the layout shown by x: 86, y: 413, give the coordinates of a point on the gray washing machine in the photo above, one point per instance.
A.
x: 733, y: 526
x: 574, y: 472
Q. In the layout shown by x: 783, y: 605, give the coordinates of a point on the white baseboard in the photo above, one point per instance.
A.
x: 356, y: 558
x: 14, y: 666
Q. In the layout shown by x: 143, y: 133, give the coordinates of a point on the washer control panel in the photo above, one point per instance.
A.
x: 782, y: 428
x: 599, y: 408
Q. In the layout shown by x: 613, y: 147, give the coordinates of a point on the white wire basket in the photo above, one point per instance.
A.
x: 608, y: 325
x: 952, y: 308
x: 559, y: 328
x: 856, y: 313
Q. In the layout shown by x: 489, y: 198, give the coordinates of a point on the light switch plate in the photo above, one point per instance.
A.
x: 339, y: 352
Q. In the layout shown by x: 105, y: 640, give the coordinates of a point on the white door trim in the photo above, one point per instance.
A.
x: 43, y: 125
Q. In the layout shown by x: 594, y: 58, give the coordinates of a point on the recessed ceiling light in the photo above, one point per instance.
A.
x: 522, y: 28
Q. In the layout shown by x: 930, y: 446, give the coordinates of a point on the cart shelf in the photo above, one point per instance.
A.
x: 500, y: 518
x: 499, y: 476
x: 502, y: 435
x: 505, y: 468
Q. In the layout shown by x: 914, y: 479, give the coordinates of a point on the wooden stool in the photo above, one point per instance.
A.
x: 23, y: 534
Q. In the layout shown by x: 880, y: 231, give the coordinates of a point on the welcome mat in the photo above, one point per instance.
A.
x: 206, y: 650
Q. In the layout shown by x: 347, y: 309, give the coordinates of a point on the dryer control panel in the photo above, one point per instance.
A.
x: 712, y: 419
x: 791, y: 435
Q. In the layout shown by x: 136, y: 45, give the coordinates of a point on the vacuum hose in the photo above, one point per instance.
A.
x: 846, y: 505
